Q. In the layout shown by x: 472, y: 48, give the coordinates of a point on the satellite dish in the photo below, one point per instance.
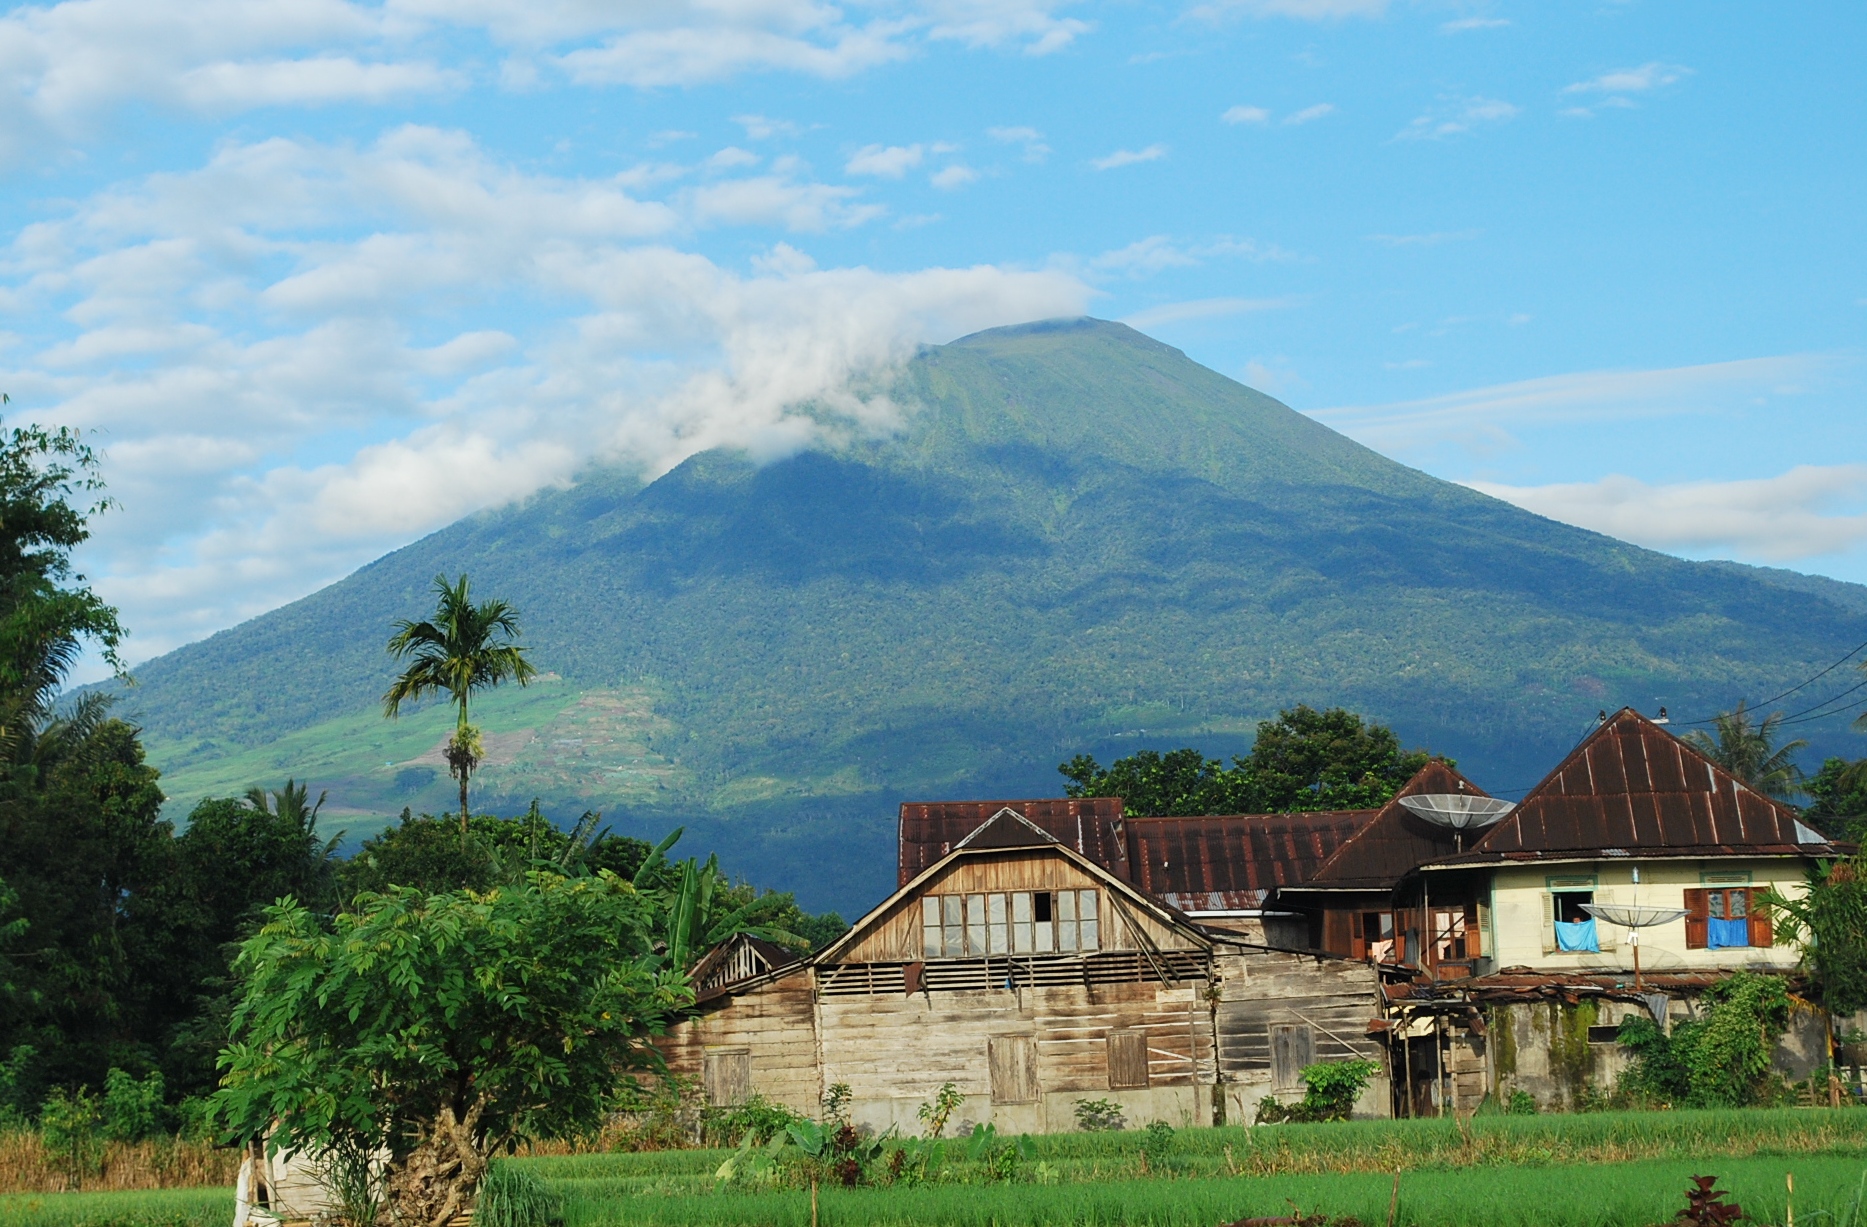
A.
x: 1457, y: 811
x: 1633, y: 915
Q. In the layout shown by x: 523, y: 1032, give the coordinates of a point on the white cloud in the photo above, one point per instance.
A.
x: 994, y: 23
x: 1456, y: 116
x: 256, y: 340
x: 888, y: 162
x: 1487, y: 417
x: 1459, y: 25
x: 1775, y: 519
x: 954, y: 177
x: 1245, y: 115
x: 691, y: 55
x: 1128, y: 157
x: 1144, y: 257
x: 1307, y: 114
x: 1614, y: 87
x: 1033, y: 141
x: 731, y: 158
x: 763, y: 128
x: 1204, y: 308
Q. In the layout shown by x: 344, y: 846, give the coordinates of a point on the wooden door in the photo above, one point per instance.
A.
x: 727, y: 1076
x: 1127, y: 1059
x: 1293, y: 1046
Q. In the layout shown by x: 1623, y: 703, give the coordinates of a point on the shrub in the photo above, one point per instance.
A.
x: 68, y: 1128
x: 510, y: 1196
x: 1158, y: 1146
x: 1520, y: 1103
x: 1721, y: 1060
x: 935, y: 1113
x: 1099, y: 1115
x: 132, y: 1110
x: 1333, y: 1088
x: 757, y: 1118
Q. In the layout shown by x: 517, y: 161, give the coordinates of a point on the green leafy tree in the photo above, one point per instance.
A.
x: 1748, y: 750
x: 465, y: 647
x: 1828, y: 924
x: 426, y: 852
x: 1303, y: 760
x: 1837, y: 798
x: 445, y: 1028
x: 1720, y: 1059
x: 701, y: 907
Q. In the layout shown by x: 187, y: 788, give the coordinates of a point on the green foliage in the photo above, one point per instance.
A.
x: 70, y: 1130
x: 1521, y: 1103
x: 758, y: 1118
x: 1158, y: 1145
x: 445, y: 1026
x: 428, y: 853
x: 1837, y: 798
x: 1749, y: 751
x: 464, y: 648
x: 1331, y: 1089
x: 132, y: 1110
x: 935, y: 1112
x: 1099, y: 1115
x: 1828, y: 923
x: 512, y: 1196
x: 1721, y: 1059
x: 1303, y: 760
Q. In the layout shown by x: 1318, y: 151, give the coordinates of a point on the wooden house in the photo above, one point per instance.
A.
x: 1018, y: 968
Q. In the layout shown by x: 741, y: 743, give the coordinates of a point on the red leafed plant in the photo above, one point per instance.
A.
x: 1706, y: 1206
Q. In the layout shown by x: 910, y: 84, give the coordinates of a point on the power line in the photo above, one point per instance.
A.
x: 1798, y: 686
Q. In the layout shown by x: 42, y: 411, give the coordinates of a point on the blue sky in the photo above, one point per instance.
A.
x: 327, y: 275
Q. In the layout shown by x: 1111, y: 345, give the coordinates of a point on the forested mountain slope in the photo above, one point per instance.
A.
x: 1081, y: 540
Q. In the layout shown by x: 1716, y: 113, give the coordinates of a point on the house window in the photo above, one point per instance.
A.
x: 1569, y: 906
x: 1605, y: 1035
x: 726, y: 1075
x: 1127, y: 1059
x: 1010, y: 922
x: 1376, y: 939
x: 1726, y: 917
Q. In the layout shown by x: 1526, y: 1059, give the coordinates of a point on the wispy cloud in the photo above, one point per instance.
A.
x: 1157, y: 252
x: 1128, y: 157
x: 951, y: 178
x: 1204, y: 308
x: 1033, y: 141
x: 1616, y: 89
x: 1804, y: 513
x: 763, y: 127
x: 1460, y: 25
x: 1245, y: 115
x: 1309, y: 114
x: 887, y: 162
x: 1454, y: 116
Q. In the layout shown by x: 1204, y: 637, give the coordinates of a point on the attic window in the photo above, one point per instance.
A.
x: 1010, y: 922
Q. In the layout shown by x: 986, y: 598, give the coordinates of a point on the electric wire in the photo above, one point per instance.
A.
x: 1812, y: 678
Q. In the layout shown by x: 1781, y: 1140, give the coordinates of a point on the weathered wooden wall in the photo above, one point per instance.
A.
x: 1278, y: 1011
x: 773, y: 1024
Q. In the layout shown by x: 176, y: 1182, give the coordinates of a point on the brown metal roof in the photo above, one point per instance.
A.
x: 1633, y: 786
x: 1233, y: 860
x: 1396, y: 840
x: 1091, y: 826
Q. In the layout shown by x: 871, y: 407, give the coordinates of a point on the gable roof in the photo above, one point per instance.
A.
x: 1230, y: 862
x: 1632, y: 788
x: 1012, y: 831
x: 1387, y: 847
x: 739, y: 962
x: 1090, y: 826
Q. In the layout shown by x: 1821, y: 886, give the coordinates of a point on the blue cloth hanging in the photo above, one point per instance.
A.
x: 1721, y: 934
x: 1577, y: 935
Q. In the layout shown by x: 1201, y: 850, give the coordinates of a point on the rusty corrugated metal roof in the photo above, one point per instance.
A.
x: 1234, y: 856
x: 1395, y: 840
x: 1089, y: 825
x: 1634, y: 787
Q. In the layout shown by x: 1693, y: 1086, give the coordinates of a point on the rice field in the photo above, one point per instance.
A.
x: 1598, y: 1170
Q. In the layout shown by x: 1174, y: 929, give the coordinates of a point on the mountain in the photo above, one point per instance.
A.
x: 1079, y: 540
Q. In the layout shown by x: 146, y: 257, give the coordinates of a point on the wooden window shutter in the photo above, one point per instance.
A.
x: 727, y: 1076
x: 1013, y: 1063
x: 1127, y: 1060
x: 1336, y: 937
x: 1697, y: 912
x: 1482, y: 943
x: 1549, y: 921
x: 1293, y: 1047
x: 1762, y: 928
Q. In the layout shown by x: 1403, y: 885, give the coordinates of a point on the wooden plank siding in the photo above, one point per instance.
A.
x: 774, y: 1023
x: 1334, y: 999
x: 896, y: 935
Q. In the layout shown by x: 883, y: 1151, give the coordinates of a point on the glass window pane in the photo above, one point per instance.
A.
x: 1046, y: 938
x: 930, y: 941
x: 955, y: 941
x: 930, y: 909
x: 995, y: 908
x: 1021, y: 907
x: 1021, y: 937
x: 1717, y: 904
x: 1739, y: 905
x: 1066, y: 905
x: 950, y: 908
x: 975, y: 924
x: 1086, y: 904
x: 997, y: 939
x: 1066, y: 935
x: 1090, y: 940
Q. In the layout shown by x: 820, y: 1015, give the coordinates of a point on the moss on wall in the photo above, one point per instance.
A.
x: 1500, y: 1023
x: 1571, y: 1061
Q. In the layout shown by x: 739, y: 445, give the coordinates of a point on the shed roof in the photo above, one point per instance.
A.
x: 1089, y: 826
x: 1633, y: 788
x: 1224, y: 862
x: 1395, y: 839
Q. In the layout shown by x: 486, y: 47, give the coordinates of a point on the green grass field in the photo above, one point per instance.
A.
x: 1600, y: 1170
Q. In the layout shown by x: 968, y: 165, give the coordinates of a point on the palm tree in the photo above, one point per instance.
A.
x: 1749, y: 752
x: 466, y: 647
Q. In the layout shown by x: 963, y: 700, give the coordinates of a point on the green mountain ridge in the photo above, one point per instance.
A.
x: 1080, y: 540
